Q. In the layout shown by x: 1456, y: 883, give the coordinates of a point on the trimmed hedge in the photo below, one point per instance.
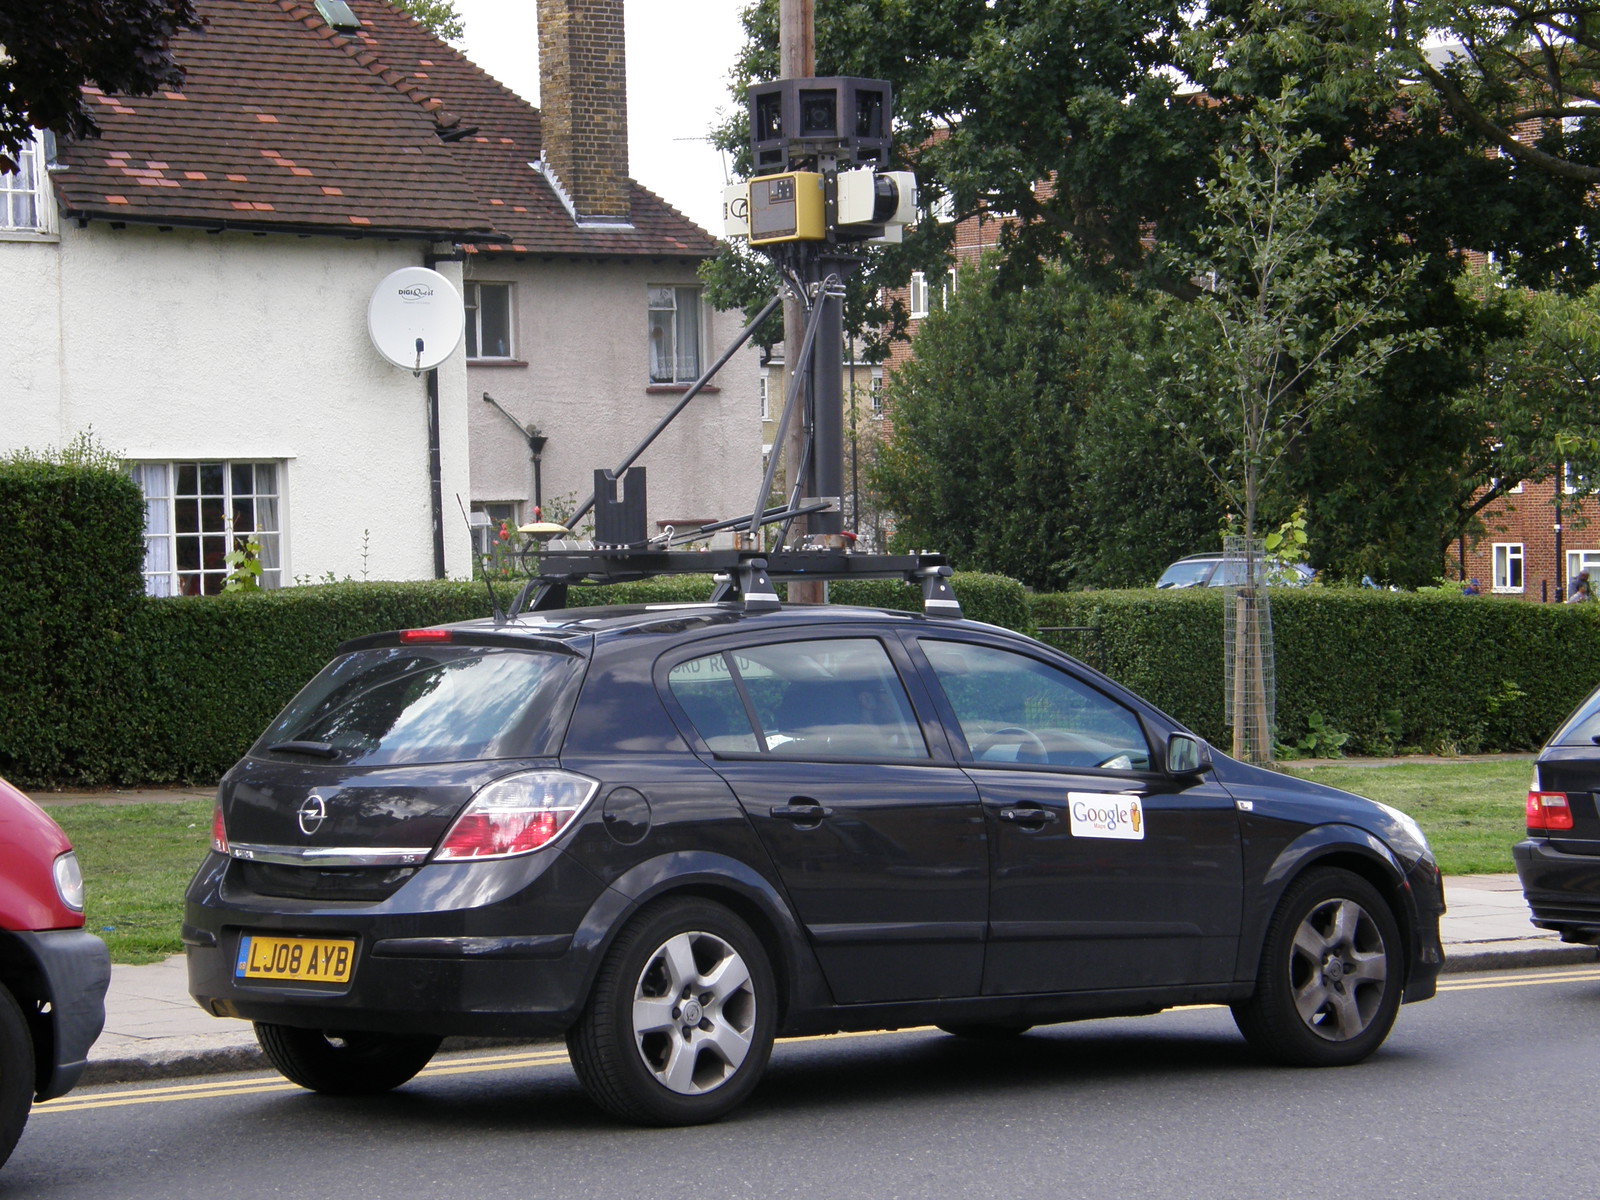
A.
x: 1394, y: 670
x: 71, y: 550
x: 185, y: 684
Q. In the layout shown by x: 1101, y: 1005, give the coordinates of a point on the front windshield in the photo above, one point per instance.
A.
x: 440, y: 704
x: 1186, y: 574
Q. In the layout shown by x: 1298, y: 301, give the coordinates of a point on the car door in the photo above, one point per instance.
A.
x: 1106, y: 872
x: 878, y: 840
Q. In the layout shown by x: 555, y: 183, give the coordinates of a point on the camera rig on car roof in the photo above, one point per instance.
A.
x: 819, y: 146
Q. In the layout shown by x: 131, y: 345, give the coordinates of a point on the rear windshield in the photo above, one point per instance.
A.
x: 1582, y: 728
x: 406, y: 704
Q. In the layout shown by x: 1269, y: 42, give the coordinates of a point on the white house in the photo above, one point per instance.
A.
x: 193, y: 286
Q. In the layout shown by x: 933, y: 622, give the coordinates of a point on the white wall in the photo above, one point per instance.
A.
x: 582, y: 329
x: 188, y: 345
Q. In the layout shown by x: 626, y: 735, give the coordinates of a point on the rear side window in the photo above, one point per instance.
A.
x: 839, y: 697
x: 403, y: 705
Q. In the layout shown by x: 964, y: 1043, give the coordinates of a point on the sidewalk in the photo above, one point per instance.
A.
x: 155, y: 1031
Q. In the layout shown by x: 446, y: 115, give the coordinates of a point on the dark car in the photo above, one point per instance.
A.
x: 674, y: 833
x: 1559, y: 861
x: 53, y: 975
x: 1214, y: 570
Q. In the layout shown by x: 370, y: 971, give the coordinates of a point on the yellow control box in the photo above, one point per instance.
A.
x: 788, y: 208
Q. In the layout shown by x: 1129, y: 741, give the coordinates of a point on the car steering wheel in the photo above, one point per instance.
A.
x: 1026, y: 741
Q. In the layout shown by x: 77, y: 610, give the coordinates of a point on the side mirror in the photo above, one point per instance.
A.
x: 1187, y: 755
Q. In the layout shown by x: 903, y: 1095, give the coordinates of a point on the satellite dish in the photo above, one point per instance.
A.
x: 415, y: 318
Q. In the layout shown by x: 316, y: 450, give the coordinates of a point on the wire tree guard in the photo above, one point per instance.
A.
x: 1249, y: 672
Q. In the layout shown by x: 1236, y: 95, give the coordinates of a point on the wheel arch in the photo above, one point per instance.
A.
x: 1343, y: 846
x: 722, y: 880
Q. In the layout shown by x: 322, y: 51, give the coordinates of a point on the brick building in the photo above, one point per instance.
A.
x: 1534, y: 546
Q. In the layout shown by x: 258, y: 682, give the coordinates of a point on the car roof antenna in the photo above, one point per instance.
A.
x: 494, y: 601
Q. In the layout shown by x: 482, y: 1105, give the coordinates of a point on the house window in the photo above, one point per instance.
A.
x: 876, y: 391
x: 919, y: 294
x: 488, y: 518
x: 23, y: 205
x: 949, y: 291
x: 1573, y: 482
x: 196, y: 513
x: 766, y: 397
x: 1508, y: 567
x: 674, y: 334
x: 1582, y: 560
x: 488, y: 308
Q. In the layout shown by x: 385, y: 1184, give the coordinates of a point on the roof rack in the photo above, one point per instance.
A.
x: 743, y: 575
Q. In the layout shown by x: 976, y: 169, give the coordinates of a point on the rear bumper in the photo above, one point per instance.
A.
x: 428, y: 960
x: 1562, y: 890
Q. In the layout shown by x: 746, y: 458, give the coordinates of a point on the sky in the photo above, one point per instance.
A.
x: 680, y: 54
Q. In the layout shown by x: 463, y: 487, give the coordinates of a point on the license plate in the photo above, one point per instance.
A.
x: 303, y: 959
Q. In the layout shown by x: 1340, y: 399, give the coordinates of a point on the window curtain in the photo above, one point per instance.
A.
x: 155, y: 482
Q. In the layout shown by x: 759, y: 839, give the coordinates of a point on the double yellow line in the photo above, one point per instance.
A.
x: 555, y: 1056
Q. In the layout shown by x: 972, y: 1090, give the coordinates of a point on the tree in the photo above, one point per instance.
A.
x: 49, y: 52
x: 438, y: 17
x: 1024, y: 441
x: 1289, y: 323
x: 1506, y: 66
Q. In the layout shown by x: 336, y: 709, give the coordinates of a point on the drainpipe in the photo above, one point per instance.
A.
x: 435, y: 454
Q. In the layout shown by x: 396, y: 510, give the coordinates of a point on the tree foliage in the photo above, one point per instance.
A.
x: 49, y: 52
x: 1025, y: 439
x: 438, y: 17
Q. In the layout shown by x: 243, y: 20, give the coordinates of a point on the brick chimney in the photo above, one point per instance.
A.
x: 583, y: 99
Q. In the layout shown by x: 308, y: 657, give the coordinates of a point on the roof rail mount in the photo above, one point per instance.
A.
x: 741, y: 575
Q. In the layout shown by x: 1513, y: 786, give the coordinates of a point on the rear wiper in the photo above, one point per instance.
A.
x: 316, y: 749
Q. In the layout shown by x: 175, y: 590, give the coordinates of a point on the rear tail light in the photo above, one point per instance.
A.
x: 219, y: 833
x: 410, y: 637
x: 1549, y: 811
x: 516, y: 815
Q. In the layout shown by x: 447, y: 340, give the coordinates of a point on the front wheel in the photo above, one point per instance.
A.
x: 16, y: 1072
x: 1331, y: 974
x: 680, y: 1023
x: 345, y: 1063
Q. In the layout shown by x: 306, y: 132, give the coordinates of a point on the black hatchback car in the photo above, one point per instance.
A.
x: 675, y: 833
x: 1559, y: 861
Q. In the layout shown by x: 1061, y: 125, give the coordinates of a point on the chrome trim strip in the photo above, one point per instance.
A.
x: 333, y: 856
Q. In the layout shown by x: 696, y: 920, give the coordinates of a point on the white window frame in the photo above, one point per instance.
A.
x: 183, y: 561
x: 1582, y: 560
x: 919, y: 295
x: 766, y: 393
x: 875, y: 392
x: 27, y: 205
x: 1510, y: 575
x: 485, y: 522
x: 472, y: 300
x: 1572, y: 483
x: 949, y: 290
x: 663, y: 328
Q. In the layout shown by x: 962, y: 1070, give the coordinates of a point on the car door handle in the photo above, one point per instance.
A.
x: 806, y: 810
x: 1028, y: 818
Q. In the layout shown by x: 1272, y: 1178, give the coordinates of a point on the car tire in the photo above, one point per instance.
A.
x: 16, y: 1072
x: 680, y: 1022
x: 1331, y: 974
x: 345, y: 1063
x: 986, y: 1033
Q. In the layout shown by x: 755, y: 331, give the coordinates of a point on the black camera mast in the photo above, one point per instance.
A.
x: 820, y: 146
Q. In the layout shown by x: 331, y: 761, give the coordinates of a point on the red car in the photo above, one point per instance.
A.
x: 53, y: 975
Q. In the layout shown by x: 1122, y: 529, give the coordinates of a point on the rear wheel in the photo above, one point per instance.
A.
x: 16, y: 1072
x: 680, y: 1023
x: 342, y: 1063
x: 1331, y: 974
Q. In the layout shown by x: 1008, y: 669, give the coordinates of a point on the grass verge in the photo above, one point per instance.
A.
x: 1472, y: 811
x: 137, y: 860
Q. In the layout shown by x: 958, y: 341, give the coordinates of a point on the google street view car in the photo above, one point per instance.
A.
x: 672, y: 834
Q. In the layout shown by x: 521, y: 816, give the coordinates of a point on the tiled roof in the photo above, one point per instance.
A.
x: 285, y: 124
